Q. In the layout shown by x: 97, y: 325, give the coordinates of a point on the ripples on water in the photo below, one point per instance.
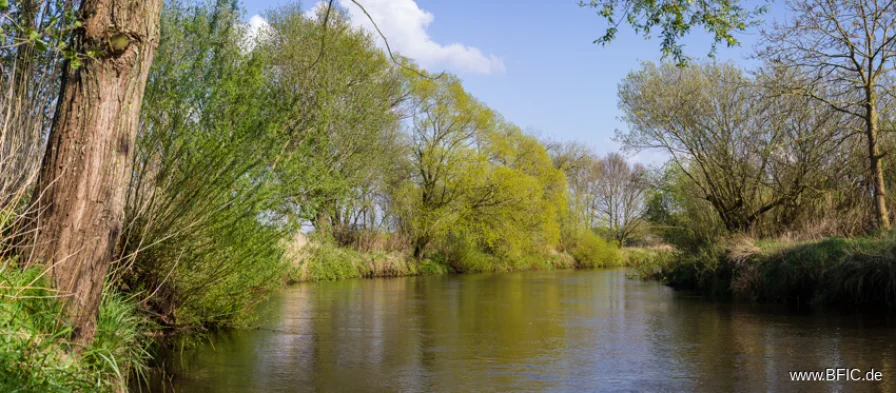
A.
x: 536, y: 331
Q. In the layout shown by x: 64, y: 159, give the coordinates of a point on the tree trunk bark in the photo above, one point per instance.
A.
x: 877, y: 172
x: 84, y: 176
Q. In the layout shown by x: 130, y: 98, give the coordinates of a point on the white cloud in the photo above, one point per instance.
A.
x: 405, y: 26
x: 258, y: 28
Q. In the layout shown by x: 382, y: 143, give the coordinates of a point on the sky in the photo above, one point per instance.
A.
x: 533, y: 61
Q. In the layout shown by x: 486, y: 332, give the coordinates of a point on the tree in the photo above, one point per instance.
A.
x: 619, y: 196
x: 444, y: 122
x: 676, y: 18
x: 811, y: 158
x: 717, y: 130
x: 340, y: 91
x: 582, y: 169
x: 83, y: 179
x: 517, y: 197
x: 844, y: 53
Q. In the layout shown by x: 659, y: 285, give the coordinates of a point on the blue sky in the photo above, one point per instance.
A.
x: 533, y: 61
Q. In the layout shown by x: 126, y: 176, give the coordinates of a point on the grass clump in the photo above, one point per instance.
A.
x: 36, y: 354
x: 326, y: 262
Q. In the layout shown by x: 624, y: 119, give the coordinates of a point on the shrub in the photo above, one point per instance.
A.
x: 323, y: 259
x: 203, y: 231
x: 835, y: 271
x: 590, y: 251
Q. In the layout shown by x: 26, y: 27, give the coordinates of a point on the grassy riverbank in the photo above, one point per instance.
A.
x: 35, y: 355
x: 324, y: 260
x: 858, y: 271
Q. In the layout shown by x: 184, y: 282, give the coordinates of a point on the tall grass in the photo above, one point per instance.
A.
x: 854, y: 272
x: 323, y: 259
x: 36, y: 355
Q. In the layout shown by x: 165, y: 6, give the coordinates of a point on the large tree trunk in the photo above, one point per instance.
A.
x: 877, y: 172
x: 84, y: 176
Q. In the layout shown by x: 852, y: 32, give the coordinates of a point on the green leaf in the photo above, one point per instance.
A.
x: 4, y: 4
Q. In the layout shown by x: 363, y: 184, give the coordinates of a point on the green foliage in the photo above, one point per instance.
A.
x: 645, y: 261
x: 328, y: 262
x: 721, y: 18
x: 590, y: 251
x: 676, y: 213
x: 202, y: 242
x: 859, y: 271
x: 481, y: 189
x: 465, y: 256
x: 40, y: 29
x: 338, y: 90
x: 429, y: 267
x: 325, y: 260
x: 36, y: 355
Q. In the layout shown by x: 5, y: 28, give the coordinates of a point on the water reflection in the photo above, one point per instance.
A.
x: 538, y: 331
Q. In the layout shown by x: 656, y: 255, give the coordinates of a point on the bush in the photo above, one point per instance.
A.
x: 591, y: 251
x: 464, y: 256
x: 203, y: 231
x: 858, y: 271
x: 430, y: 267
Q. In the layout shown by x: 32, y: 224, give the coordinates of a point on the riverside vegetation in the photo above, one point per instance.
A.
x: 246, y: 138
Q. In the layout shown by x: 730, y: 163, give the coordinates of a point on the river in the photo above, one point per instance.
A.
x: 564, y: 331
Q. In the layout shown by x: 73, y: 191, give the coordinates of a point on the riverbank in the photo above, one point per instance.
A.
x: 855, y: 272
x: 326, y: 261
x: 37, y: 355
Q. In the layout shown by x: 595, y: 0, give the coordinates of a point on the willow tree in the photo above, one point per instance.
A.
x: 84, y: 176
x: 745, y: 147
x: 845, y: 52
x: 517, y: 197
x: 444, y: 121
x: 707, y: 118
x: 343, y: 136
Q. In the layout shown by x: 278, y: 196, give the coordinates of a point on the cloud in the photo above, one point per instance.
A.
x: 258, y: 28
x: 405, y: 26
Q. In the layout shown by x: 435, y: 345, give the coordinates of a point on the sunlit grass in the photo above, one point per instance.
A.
x: 36, y: 354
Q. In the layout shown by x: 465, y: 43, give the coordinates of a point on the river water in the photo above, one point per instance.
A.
x: 564, y: 331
